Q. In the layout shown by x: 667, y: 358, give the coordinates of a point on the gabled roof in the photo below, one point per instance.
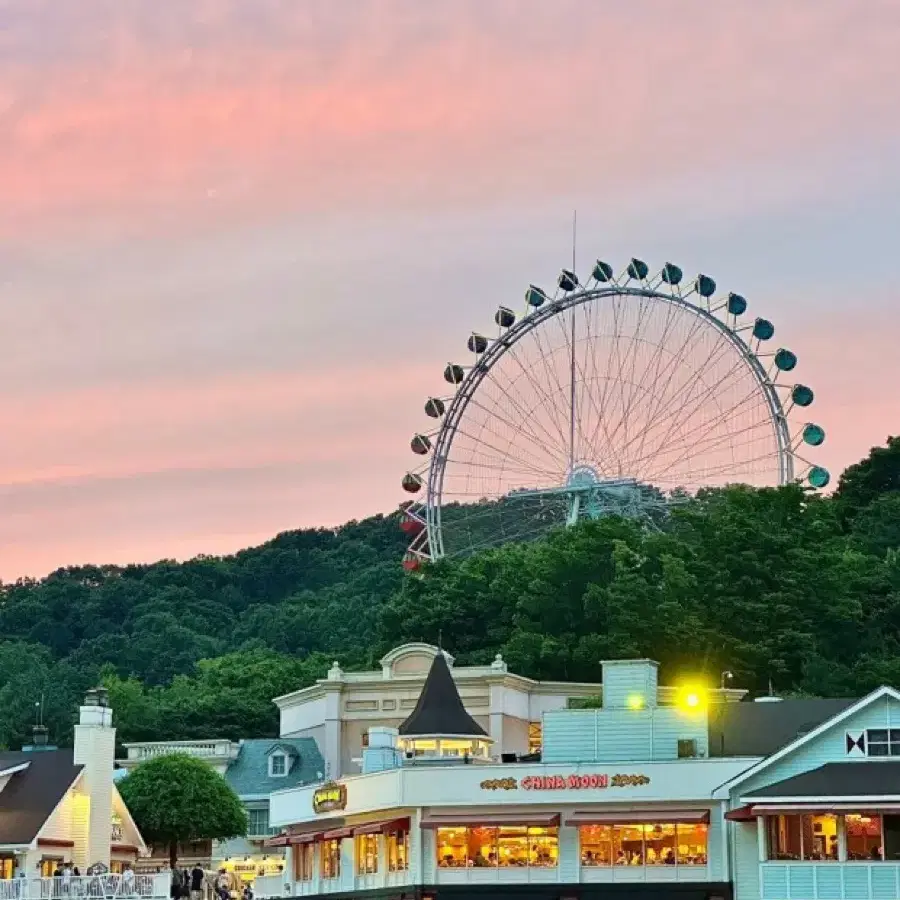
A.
x: 760, y: 729
x: 249, y: 775
x: 843, y: 715
x: 440, y: 710
x: 31, y: 794
x: 835, y: 781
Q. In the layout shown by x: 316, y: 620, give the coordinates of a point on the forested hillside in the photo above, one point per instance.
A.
x: 776, y: 584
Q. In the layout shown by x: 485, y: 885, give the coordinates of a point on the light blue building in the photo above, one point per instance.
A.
x: 819, y: 818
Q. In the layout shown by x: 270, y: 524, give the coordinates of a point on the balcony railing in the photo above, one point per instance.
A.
x: 87, y: 887
x: 223, y: 750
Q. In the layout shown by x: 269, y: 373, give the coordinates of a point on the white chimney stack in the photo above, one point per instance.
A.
x: 95, y: 749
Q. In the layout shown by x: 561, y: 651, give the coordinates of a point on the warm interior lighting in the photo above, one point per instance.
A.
x: 635, y: 701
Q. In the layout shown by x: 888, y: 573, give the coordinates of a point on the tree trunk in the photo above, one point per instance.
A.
x: 173, y: 854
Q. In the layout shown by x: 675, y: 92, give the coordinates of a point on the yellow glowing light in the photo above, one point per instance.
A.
x: 692, y: 698
x: 635, y: 701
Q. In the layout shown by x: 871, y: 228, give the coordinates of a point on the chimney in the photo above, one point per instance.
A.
x: 95, y: 747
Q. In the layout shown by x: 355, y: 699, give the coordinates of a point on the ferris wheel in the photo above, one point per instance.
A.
x: 621, y: 395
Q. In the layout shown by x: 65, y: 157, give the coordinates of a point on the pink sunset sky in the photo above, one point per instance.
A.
x: 239, y: 240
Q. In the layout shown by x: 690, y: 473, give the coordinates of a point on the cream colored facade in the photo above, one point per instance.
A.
x: 339, y: 709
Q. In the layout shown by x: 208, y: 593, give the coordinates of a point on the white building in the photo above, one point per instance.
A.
x: 338, y: 710
x: 61, y: 806
x: 620, y: 800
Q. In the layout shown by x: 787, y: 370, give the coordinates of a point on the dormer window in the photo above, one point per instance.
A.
x: 278, y: 765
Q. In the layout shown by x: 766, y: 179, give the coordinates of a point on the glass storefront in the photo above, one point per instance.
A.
x: 817, y: 837
x: 497, y: 846
x: 331, y: 858
x: 660, y: 844
x: 366, y: 854
x: 304, y: 857
x: 397, y: 850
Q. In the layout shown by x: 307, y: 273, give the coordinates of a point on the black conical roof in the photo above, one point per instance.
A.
x: 440, y: 710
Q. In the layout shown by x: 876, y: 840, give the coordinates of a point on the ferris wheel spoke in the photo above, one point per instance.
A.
x: 602, y: 416
x: 684, y: 450
x: 582, y: 411
x: 654, y: 363
x: 717, y: 471
x: 635, y: 348
x: 562, y: 419
x: 689, y: 407
x: 539, y: 389
x: 708, y: 428
x: 674, y: 408
x: 675, y: 365
x: 522, y: 427
x: 504, y: 454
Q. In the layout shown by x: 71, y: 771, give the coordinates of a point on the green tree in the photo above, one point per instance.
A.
x: 177, y: 798
x: 864, y: 482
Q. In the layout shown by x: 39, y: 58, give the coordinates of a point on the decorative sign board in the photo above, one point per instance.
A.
x: 330, y: 797
x: 564, y: 782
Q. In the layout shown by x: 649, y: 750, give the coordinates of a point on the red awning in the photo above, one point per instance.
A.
x: 309, y: 838
x: 386, y: 826
x: 488, y: 820
x: 280, y: 840
x: 53, y: 842
x: 641, y: 817
x: 774, y: 809
x: 336, y: 834
x: 741, y: 814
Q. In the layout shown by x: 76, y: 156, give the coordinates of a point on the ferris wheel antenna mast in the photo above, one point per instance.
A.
x: 572, y: 356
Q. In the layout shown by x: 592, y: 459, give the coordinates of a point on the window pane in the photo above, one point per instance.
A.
x: 879, y: 735
x: 659, y: 843
x: 366, y: 854
x: 303, y: 862
x: 784, y: 837
x: 331, y: 859
x: 398, y: 851
x: 863, y: 837
x: 482, y: 846
x: 628, y: 845
x: 691, y: 843
x: 891, y: 828
x: 543, y: 847
x: 512, y: 842
x: 820, y: 837
x: 451, y: 847
x: 534, y: 737
x: 878, y: 749
x: 596, y: 845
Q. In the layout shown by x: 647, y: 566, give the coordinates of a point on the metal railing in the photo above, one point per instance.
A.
x: 87, y: 887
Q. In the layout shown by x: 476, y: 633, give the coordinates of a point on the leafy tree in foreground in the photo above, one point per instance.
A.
x: 177, y: 798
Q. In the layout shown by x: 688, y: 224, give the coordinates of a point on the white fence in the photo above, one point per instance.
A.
x: 87, y: 887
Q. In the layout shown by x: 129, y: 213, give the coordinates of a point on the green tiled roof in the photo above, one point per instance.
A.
x: 249, y: 773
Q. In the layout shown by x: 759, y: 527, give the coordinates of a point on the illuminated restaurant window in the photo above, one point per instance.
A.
x: 398, y: 850
x: 509, y: 846
x: 331, y: 858
x: 596, y: 845
x: 803, y: 837
x: 863, y: 837
x: 692, y: 842
x: 628, y: 845
x: 451, y: 847
x: 659, y: 845
x: 303, y: 862
x: 663, y: 844
x: 535, y: 737
x: 7, y: 867
x: 366, y: 854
